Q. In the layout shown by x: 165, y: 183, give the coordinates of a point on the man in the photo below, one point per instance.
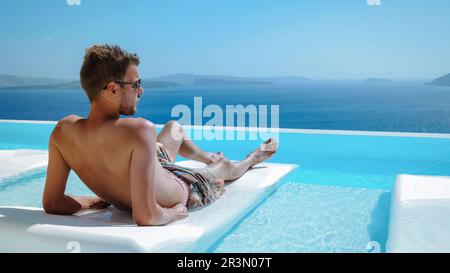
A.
x: 123, y: 160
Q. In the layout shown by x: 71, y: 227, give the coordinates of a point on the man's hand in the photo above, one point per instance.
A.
x: 166, y: 215
x: 177, y: 212
x: 91, y: 202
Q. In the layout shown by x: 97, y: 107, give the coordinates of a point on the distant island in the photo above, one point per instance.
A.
x: 157, y: 84
x: 64, y: 85
x: 441, y: 81
x: 15, y: 81
x: 172, y: 80
x: 226, y: 82
x: 194, y: 79
x: 377, y: 80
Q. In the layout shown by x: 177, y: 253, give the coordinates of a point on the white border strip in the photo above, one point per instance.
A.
x: 27, y: 121
x: 281, y: 130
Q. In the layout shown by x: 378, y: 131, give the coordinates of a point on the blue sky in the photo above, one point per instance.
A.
x: 321, y: 39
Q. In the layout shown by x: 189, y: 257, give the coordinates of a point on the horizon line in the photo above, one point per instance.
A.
x: 235, y: 76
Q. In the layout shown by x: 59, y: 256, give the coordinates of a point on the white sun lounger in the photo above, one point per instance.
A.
x: 15, y: 162
x: 25, y: 229
x: 420, y: 215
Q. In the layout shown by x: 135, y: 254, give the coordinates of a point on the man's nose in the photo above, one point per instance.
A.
x: 141, y: 90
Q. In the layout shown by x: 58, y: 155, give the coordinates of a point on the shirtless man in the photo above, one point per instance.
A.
x: 117, y: 157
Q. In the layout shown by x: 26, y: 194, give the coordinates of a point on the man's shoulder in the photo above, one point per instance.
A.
x: 136, y: 124
x: 63, y: 124
x: 70, y: 119
x: 138, y: 129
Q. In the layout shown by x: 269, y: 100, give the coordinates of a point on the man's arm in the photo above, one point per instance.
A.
x: 145, y: 169
x: 54, y: 200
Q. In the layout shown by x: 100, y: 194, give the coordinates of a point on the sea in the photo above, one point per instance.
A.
x: 407, y: 106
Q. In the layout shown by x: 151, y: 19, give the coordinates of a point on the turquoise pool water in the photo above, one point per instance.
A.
x: 336, y: 201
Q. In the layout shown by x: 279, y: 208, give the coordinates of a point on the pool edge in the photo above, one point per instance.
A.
x: 280, y: 130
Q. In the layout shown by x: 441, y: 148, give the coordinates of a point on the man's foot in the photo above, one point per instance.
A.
x: 264, y: 151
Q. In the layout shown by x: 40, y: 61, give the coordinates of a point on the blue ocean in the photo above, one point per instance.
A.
x: 393, y: 106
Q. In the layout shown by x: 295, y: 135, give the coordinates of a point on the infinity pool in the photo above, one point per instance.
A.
x: 336, y: 201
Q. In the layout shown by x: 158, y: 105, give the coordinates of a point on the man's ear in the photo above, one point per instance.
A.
x: 111, y: 87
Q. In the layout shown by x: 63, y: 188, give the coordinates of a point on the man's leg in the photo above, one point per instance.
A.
x: 174, y: 139
x: 226, y: 170
x: 171, y: 142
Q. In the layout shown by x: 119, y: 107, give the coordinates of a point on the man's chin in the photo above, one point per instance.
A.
x: 129, y: 113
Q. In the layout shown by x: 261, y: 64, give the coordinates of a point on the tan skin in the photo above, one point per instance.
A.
x: 116, y: 158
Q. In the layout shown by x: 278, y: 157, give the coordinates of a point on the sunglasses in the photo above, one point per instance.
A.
x: 135, y: 85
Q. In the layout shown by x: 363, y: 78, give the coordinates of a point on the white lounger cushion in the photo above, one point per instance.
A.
x: 420, y: 215
x: 15, y: 162
x: 110, y: 230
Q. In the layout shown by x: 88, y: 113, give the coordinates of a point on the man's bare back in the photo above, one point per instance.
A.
x: 100, y: 156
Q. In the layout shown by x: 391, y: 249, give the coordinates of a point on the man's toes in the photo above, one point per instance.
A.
x: 268, y: 147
